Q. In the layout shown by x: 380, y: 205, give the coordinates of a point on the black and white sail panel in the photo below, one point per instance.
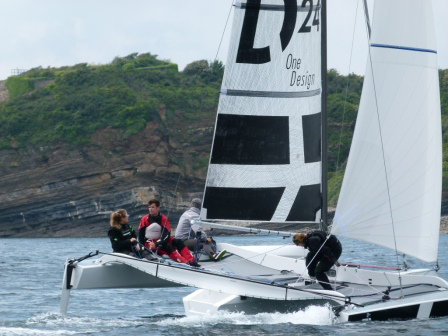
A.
x: 266, y: 156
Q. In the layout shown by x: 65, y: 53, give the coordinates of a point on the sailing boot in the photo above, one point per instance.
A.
x: 185, y: 252
x: 177, y: 257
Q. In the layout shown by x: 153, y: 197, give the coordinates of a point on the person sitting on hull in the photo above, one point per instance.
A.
x: 323, y: 254
x: 189, y: 233
x: 154, y: 232
x: 123, y: 237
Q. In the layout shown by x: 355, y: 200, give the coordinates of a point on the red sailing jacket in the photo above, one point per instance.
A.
x: 145, y: 222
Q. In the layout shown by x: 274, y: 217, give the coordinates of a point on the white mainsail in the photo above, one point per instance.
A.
x: 391, y: 192
x: 266, y: 155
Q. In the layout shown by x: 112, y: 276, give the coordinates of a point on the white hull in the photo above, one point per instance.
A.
x: 256, y: 284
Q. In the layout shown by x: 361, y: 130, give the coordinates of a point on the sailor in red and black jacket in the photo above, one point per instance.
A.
x: 324, y: 251
x: 164, y: 243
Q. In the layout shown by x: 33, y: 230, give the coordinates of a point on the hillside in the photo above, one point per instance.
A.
x: 77, y: 142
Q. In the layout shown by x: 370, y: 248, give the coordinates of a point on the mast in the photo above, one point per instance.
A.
x: 324, y: 220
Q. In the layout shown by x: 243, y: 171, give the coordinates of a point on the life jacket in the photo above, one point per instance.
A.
x: 153, y: 231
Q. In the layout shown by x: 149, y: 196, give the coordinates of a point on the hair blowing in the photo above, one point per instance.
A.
x: 116, y: 216
x: 299, y: 238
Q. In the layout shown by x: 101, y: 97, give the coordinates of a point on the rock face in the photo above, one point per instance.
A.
x: 4, y: 93
x: 62, y: 191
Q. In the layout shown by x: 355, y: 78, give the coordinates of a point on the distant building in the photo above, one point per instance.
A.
x: 16, y: 72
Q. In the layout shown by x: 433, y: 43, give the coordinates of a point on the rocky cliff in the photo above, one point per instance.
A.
x: 60, y: 190
x: 79, y: 142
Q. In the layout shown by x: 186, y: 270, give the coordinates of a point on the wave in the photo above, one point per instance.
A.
x: 10, y: 331
x: 315, y: 315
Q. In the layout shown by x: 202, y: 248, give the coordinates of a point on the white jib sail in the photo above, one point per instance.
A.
x: 392, y: 183
x: 266, y: 158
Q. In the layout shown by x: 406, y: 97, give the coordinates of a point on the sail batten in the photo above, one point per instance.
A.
x: 375, y: 45
x: 272, y: 94
x: 391, y: 193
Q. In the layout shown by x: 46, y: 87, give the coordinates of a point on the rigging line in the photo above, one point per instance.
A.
x: 384, y: 157
x: 347, y: 86
x: 368, y: 285
x: 335, y: 186
x: 175, y: 194
x: 247, y: 258
x: 168, y: 263
x: 227, y: 275
x: 329, y: 234
x: 223, y: 32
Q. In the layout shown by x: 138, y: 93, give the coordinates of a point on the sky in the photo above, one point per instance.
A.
x: 66, y: 32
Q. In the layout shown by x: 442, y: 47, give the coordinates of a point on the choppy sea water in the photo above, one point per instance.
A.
x: 31, y: 273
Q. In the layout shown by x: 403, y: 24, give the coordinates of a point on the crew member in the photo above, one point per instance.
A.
x: 123, y: 237
x: 189, y: 233
x: 155, y: 233
x: 323, y: 254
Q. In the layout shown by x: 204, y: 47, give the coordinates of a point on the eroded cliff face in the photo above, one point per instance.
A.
x: 63, y: 191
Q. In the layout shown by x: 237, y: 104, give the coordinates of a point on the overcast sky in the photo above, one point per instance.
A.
x: 66, y: 32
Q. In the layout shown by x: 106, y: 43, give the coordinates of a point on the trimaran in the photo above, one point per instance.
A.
x: 266, y: 165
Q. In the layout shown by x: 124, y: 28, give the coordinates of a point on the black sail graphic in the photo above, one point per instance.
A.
x: 265, y: 162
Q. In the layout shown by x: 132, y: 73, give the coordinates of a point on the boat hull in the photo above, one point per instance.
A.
x: 421, y: 307
x: 253, y: 282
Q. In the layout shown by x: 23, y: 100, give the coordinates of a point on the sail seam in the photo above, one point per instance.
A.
x: 389, y: 46
x: 270, y: 94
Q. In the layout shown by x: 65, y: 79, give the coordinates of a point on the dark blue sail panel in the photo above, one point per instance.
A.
x: 241, y: 203
x: 307, y: 203
x: 251, y: 140
x: 312, y: 125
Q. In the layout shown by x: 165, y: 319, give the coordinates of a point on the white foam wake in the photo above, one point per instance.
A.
x: 316, y: 315
x: 11, y: 331
x: 86, y: 324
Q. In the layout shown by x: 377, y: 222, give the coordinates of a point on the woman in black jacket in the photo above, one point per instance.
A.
x: 122, y: 236
x: 323, y: 253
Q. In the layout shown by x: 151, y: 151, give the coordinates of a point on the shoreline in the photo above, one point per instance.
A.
x: 101, y: 231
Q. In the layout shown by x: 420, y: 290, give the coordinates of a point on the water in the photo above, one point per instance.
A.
x: 31, y: 275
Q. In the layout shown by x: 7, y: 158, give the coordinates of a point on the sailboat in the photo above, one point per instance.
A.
x: 268, y: 164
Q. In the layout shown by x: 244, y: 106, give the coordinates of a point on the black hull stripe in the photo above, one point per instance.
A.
x: 439, y: 309
x: 271, y: 94
x: 409, y: 312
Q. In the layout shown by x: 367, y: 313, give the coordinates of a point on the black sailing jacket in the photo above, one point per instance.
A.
x: 121, y: 238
